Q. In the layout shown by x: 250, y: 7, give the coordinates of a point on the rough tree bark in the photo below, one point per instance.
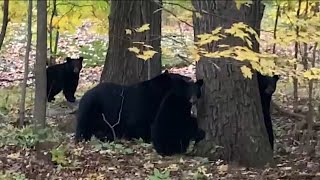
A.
x: 26, y: 68
x: 230, y: 109
x: 40, y: 65
x: 5, y: 21
x: 122, y: 66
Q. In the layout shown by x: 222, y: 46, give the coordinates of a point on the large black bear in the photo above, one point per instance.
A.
x: 267, y: 86
x: 130, y: 110
x: 174, y: 127
x: 64, y: 77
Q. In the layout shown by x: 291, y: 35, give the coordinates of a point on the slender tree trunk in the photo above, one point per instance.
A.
x: 275, y: 29
x: 54, y: 13
x: 55, y: 50
x: 26, y: 67
x: 230, y: 108
x: 122, y: 66
x: 296, y: 52
x: 40, y: 65
x: 4, y: 21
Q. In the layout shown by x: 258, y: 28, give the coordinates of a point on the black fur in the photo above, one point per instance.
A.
x: 133, y: 107
x: 64, y: 77
x: 174, y: 127
x: 267, y: 86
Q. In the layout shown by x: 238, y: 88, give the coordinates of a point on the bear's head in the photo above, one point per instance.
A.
x: 268, y: 84
x: 74, y: 65
x: 185, y: 87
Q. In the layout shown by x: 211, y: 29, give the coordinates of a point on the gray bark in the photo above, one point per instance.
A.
x: 40, y: 65
x: 26, y: 67
x: 122, y: 66
x: 230, y: 108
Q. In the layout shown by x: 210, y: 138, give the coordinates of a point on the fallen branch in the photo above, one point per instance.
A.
x: 14, y: 80
x: 286, y: 112
x: 119, y: 116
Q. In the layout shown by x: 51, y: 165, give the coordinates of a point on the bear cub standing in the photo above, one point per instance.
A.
x: 174, y: 127
x: 267, y: 86
x: 64, y: 77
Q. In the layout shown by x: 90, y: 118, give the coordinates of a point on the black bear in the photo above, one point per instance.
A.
x: 64, y: 77
x: 174, y: 127
x: 267, y: 86
x: 129, y: 110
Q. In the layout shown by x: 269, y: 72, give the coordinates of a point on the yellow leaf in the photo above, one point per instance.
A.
x: 194, y: 53
x: 216, y: 31
x: 223, y: 45
x: 207, y: 38
x: 134, y: 49
x: 137, y: 42
x: 128, y: 31
x: 150, y: 53
x: 147, y: 55
x: 148, y: 46
x: 143, y: 28
x: 141, y: 56
x: 246, y: 72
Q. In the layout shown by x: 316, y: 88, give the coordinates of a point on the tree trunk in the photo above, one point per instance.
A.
x: 5, y: 21
x: 122, y: 66
x: 51, y: 60
x: 26, y: 68
x: 295, y: 66
x: 40, y: 65
x: 230, y: 108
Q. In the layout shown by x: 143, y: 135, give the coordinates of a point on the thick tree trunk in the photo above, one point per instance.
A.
x: 122, y: 66
x: 4, y: 21
x: 230, y: 108
x: 40, y: 65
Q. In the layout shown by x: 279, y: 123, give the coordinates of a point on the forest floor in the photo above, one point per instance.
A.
x: 137, y: 160
x: 24, y: 155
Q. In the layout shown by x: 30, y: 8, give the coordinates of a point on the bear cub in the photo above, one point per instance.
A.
x: 267, y: 86
x: 174, y: 127
x: 64, y: 77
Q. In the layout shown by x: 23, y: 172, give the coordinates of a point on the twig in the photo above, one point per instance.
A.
x: 195, y: 11
x: 119, y: 116
x: 288, y: 113
x: 172, y: 13
x: 111, y: 127
x: 184, y: 59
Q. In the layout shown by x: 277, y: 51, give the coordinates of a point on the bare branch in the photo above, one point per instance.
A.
x: 119, y: 116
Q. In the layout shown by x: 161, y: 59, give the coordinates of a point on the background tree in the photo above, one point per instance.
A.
x: 121, y: 65
x: 5, y: 21
x: 40, y: 65
x: 230, y: 109
x: 53, y: 50
x: 26, y: 67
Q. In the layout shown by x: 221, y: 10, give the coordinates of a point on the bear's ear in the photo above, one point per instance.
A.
x: 81, y: 59
x: 166, y: 71
x: 199, y: 82
x: 68, y: 59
